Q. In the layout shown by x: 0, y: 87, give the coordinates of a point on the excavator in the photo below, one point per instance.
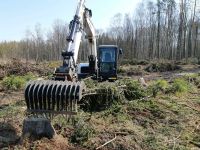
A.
x: 61, y: 94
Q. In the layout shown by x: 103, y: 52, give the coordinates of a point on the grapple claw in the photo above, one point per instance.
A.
x: 56, y: 97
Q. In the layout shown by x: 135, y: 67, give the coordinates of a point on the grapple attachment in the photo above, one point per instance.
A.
x: 53, y: 97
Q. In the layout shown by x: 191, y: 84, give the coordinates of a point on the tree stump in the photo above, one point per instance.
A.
x: 37, y: 128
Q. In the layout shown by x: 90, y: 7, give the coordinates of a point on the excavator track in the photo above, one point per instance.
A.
x: 53, y: 97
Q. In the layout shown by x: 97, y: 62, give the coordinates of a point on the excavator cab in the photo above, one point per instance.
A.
x: 107, y: 62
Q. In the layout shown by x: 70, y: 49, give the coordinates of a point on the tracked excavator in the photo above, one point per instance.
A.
x: 61, y: 94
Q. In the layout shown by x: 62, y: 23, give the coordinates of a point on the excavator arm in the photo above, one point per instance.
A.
x: 61, y: 95
x: 78, y: 26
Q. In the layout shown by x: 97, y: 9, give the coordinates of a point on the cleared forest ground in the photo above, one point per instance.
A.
x: 164, y: 120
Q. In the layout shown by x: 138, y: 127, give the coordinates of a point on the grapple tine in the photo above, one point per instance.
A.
x: 48, y: 96
x: 76, y: 95
x: 44, y: 92
x: 35, y: 99
x: 67, y: 96
x: 58, y: 95
x: 63, y: 97
x: 26, y: 95
x: 39, y: 94
x: 53, y: 100
x: 72, y: 96
x: 30, y: 96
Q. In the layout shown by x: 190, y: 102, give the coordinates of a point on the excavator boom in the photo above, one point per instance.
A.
x: 62, y: 94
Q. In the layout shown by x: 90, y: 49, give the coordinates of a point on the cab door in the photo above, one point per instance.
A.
x: 107, y: 62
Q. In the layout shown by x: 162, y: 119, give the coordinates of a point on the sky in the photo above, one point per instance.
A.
x: 18, y: 16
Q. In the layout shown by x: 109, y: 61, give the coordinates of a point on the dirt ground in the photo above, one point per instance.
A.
x: 166, y: 122
x: 8, y: 97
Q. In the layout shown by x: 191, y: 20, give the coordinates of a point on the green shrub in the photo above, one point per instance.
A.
x: 158, y: 86
x: 16, y: 82
x: 105, y: 95
x: 82, y: 132
x: 133, y: 90
x: 179, y: 86
x: 13, y: 82
x: 162, y: 84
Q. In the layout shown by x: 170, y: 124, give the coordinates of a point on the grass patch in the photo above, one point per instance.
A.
x: 117, y: 111
x: 147, y: 109
x: 150, y: 142
x: 10, y: 112
x: 16, y: 82
x: 158, y: 86
x: 13, y: 82
x: 179, y: 86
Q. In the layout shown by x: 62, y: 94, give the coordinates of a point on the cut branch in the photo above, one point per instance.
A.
x: 106, y: 143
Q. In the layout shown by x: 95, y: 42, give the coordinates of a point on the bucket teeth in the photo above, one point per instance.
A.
x: 43, y: 96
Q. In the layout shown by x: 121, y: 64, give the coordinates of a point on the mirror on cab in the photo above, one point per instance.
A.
x: 120, y: 51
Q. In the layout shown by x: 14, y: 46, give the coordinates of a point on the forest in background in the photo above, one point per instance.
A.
x: 165, y: 29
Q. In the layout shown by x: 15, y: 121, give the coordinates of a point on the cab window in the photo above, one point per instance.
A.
x: 107, y: 54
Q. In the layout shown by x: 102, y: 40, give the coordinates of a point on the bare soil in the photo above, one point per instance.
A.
x: 169, y: 122
x: 9, y: 97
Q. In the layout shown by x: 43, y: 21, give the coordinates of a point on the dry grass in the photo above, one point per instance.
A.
x: 168, y: 121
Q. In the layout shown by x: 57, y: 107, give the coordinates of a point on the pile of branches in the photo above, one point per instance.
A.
x: 17, y: 67
x: 102, y: 96
x: 162, y: 67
